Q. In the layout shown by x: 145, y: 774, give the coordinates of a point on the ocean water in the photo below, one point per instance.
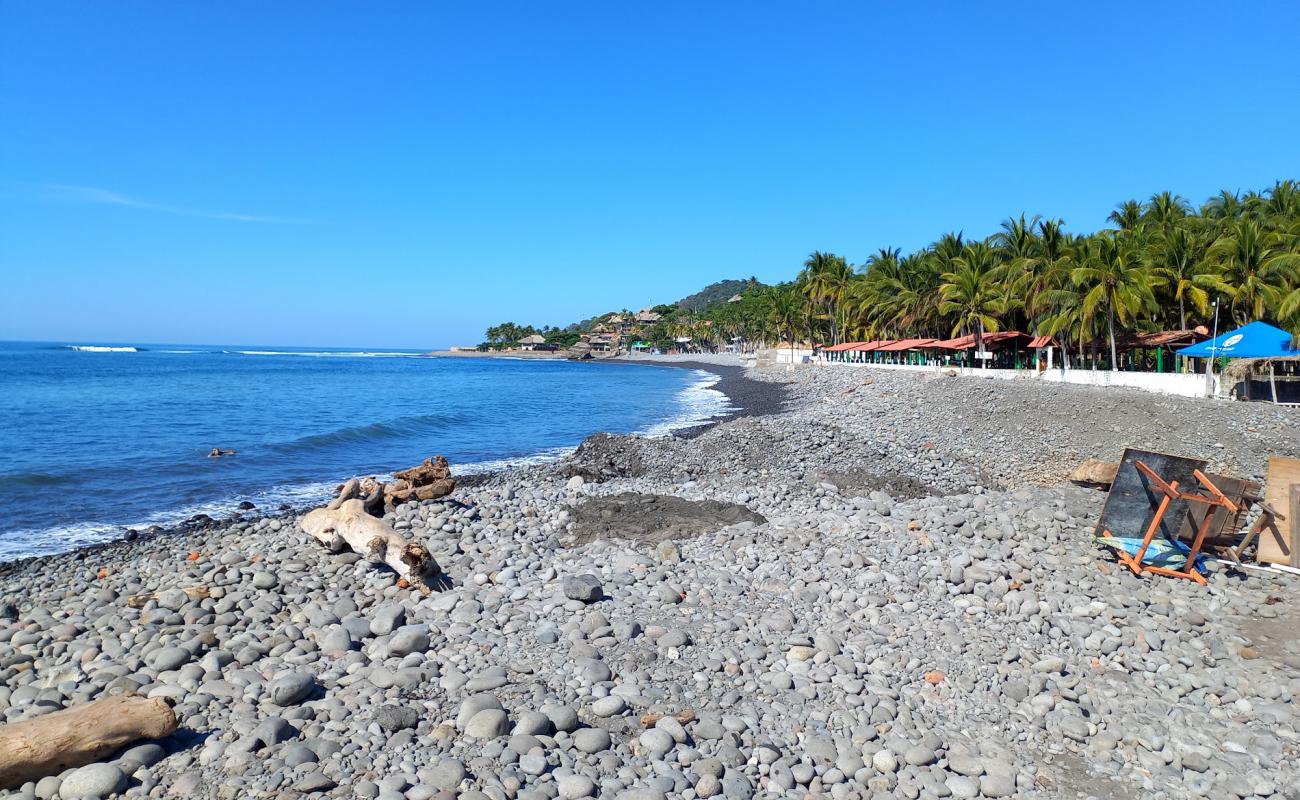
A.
x: 98, y: 438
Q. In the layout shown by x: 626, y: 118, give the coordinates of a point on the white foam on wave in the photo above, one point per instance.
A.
x: 699, y: 403
x: 28, y: 542
x: 99, y: 348
x: 495, y: 465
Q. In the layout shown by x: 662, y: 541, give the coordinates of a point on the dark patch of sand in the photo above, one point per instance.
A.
x: 860, y: 483
x: 651, y: 518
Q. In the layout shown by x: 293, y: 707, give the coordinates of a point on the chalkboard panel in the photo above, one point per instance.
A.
x: 1133, y: 500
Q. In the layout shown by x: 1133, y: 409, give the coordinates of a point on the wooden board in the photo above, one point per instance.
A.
x: 1132, y: 502
x: 1225, y: 530
x: 1283, y: 473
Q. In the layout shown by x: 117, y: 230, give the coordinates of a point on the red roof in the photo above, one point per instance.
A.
x: 865, y: 347
x: 960, y: 343
x: 1041, y: 341
x: 967, y: 342
x: 1163, y: 339
x: 905, y: 344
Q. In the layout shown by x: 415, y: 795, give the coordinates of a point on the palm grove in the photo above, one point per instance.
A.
x: 1160, y: 266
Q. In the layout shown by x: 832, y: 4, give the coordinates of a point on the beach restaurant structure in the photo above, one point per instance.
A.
x: 1005, y: 349
x: 1157, y: 351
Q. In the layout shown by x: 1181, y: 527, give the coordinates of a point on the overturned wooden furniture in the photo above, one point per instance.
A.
x: 1137, y: 483
x: 350, y: 526
x: 74, y: 737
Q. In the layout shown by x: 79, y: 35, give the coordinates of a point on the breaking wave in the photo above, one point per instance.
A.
x: 700, y: 402
x: 99, y: 348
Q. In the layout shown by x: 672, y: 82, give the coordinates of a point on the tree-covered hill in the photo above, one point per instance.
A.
x: 715, y: 293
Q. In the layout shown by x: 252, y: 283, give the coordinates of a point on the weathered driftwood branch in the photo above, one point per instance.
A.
x: 350, y: 526
x: 77, y: 736
x: 427, y: 481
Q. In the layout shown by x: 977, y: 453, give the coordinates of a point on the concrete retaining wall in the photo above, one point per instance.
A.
x: 1182, y: 384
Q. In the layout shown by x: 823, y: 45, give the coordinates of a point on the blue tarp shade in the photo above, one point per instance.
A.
x: 1256, y: 340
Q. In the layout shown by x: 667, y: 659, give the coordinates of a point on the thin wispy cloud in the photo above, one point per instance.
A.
x: 93, y: 194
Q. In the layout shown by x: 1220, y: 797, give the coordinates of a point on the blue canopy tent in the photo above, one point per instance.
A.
x: 1256, y: 340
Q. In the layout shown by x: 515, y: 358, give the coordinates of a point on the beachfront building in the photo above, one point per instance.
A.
x: 534, y: 342
x: 648, y: 317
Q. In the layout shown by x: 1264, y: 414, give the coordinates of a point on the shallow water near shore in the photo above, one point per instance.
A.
x: 98, y: 438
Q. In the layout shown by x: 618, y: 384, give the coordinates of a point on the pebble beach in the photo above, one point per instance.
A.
x: 859, y: 584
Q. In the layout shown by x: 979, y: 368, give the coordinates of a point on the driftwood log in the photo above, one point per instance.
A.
x: 74, y: 737
x: 350, y: 526
x: 427, y: 481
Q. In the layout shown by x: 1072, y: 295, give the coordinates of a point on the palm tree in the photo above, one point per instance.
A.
x: 972, y: 294
x: 1127, y: 216
x: 1114, y: 278
x: 1180, y: 257
x: 1224, y: 206
x: 1165, y: 209
x: 785, y: 312
x: 1257, y: 267
x: 826, y: 284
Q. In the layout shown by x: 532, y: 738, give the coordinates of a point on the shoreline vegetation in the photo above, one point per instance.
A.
x: 1163, y: 265
x: 821, y: 591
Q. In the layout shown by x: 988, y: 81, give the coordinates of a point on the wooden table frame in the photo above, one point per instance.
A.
x: 1172, y: 492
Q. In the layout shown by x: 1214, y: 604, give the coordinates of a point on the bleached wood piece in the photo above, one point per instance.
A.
x: 74, y: 737
x: 350, y: 526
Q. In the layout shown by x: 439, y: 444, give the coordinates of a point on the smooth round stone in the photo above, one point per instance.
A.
x: 920, y: 756
x: 609, y: 706
x: 488, y: 724
x: 674, y: 638
x: 564, y: 718
x: 93, y: 780
x: 575, y: 787
x: 473, y: 705
x: 170, y: 658
x: 884, y: 761
x: 291, y: 689
x: 296, y: 754
x: 445, y: 774
x: 533, y: 723
x: 657, y: 741
x: 265, y: 580
x: 407, y: 640
x: 532, y: 763
x: 962, y: 787
x: 591, y: 740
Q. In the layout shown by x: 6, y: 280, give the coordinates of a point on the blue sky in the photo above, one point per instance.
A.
x: 403, y: 175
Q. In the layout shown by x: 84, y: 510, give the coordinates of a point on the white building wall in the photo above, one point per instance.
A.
x: 1182, y: 384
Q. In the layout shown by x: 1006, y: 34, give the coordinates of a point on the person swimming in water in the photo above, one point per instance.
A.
x: 217, y: 452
